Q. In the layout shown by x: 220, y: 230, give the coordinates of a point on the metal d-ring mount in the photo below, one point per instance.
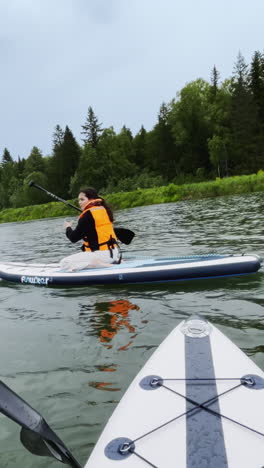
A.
x: 254, y: 382
x: 151, y: 382
x: 155, y: 382
x: 126, y: 447
x: 119, y: 449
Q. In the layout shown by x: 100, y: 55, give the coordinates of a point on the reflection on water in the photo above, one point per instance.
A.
x: 106, y: 319
x: 60, y: 348
x: 104, y: 386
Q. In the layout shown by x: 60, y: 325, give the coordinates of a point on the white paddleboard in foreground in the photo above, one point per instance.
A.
x: 197, y: 403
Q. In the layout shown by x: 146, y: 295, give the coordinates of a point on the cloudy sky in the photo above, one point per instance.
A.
x: 122, y: 57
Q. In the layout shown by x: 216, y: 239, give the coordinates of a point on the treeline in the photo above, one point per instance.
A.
x: 212, y: 129
x: 150, y: 196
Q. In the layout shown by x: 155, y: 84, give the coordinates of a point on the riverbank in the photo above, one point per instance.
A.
x: 140, y: 197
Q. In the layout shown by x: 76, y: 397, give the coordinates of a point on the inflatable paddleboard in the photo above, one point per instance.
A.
x: 197, y: 403
x: 140, y: 270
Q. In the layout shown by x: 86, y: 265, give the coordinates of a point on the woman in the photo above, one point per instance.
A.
x: 95, y: 227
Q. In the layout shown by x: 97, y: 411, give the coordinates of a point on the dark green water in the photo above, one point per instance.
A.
x: 72, y: 352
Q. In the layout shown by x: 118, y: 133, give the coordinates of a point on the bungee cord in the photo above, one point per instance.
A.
x: 130, y: 447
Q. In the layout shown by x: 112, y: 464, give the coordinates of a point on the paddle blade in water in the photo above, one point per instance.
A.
x: 36, y: 435
x: 35, y: 444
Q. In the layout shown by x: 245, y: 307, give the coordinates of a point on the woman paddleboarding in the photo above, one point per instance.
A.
x: 95, y: 228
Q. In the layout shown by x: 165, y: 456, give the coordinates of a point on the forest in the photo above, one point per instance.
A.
x: 209, y: 130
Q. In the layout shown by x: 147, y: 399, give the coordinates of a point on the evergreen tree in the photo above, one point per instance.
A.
x: 34, y: 163
x: 58, y: 137
x: 91, y: 129
x: 20, y: 167
x: 7, y: 183
x: 257, y: 83
x: 64, y: 163
x: 6, y: 157
x: 139, y: 146
x: 215, y: 75
x: 243, y: 121
x: 219, y: 142
x: 8, y: 179
x: 241, y: 71
x: 125, y: 144
x: 257, y: 88
x: 165, y: 154
x: 55, y: 162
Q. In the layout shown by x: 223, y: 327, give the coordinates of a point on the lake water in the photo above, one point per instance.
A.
x: 72, y: 352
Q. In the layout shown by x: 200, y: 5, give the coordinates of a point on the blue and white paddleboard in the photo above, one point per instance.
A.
x: 140, y: 270
x: 197, y: 403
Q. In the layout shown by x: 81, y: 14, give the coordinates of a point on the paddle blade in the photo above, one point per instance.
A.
x: 124, y: 235
x: 35, y: 444
x: 36, y: 435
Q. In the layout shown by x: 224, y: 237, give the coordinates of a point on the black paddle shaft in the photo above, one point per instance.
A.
x: 124, y: 235
x: 33, y: 184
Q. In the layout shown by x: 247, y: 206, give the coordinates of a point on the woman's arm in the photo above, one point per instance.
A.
x: 82, y: 228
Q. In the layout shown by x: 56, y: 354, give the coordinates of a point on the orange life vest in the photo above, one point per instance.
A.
x: 103, y: 226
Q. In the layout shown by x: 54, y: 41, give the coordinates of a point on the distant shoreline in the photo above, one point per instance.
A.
x: 141, y: 197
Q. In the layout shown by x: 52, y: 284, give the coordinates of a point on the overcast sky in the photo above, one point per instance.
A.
x: 122, y: 57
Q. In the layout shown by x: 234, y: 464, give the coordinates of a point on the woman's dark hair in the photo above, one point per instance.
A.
x: 92, y: 194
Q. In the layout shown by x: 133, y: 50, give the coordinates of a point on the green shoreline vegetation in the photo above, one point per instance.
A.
x: 170, y: 193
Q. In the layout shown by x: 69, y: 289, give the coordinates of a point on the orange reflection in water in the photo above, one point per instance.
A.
x: 107, y: 369
x: 119, y: 318
x: 107, y: 386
